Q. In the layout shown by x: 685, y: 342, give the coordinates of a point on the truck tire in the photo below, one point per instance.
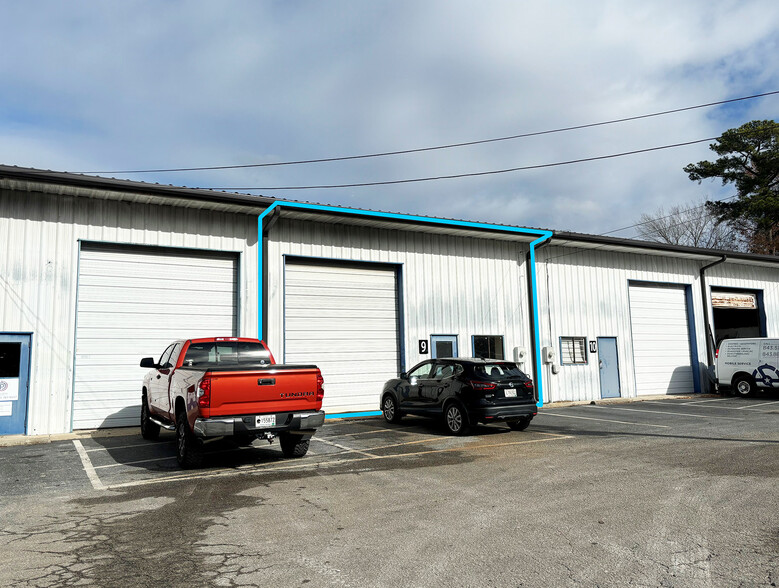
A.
x: 293, y: 445
x: 149, y: 430
x: 520, y: 424
x: 189, y: 449
x: 456, y: 419
x: 744, y: 386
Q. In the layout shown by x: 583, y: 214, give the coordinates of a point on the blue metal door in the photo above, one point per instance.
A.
x: 443, y: 345
x: 609, y: 367
x: 14, y: 378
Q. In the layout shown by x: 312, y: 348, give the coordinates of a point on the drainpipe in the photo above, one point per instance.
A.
x: 266, y: 222
x: 706, y: 303
x: 534, y: 326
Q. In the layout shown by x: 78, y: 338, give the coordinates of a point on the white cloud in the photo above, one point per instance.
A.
x: 103, y: 86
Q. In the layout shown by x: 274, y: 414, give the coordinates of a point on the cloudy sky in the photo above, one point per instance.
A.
x: 108, y: 86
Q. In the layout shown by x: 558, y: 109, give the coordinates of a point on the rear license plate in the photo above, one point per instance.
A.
x: 265, y: 420
x: 510, y: 393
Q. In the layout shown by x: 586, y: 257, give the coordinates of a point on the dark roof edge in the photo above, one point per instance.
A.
x: 133, y: 186
x: 652, y: 246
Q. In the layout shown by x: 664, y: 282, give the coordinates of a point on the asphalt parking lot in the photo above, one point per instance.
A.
x: 667, y: 492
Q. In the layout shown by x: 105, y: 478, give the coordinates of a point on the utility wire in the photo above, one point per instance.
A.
x: 663, y: 217
x: 438, y: 147
x: 466, y: 175
x: 578, y: 251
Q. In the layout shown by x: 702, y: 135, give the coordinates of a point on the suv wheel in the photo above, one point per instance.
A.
x: 389, y: 409
x: 520, y: 424
x: 455, y: 419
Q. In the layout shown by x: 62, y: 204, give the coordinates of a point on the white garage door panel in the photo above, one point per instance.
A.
x: 343, y: 319
x: 661, y: 340
x: 132, y: 303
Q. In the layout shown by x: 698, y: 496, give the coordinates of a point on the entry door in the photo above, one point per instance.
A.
x: 14, y: 378
x: 443, y: 345
x: 609, y: 367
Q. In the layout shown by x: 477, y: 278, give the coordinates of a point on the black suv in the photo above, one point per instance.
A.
x: 464, y: 392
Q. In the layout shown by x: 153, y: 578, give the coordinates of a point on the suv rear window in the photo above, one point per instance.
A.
x: 226, y: 353
x: 498, y: 371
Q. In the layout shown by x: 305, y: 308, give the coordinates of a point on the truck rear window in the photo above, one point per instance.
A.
x: 226, y: 353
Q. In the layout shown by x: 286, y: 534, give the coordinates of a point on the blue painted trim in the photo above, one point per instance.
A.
x: 346, y: 415
x: 696, y: 368
x: 541, y: 234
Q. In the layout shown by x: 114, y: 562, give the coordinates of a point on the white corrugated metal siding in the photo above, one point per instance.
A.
x: 448, y: 284
x: 585, y: 292
x: 39, y: 238
x: 661, y: 339
x: 333, y: 312
x: 132, y: 302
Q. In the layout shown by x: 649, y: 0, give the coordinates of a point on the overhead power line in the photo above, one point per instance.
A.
x: 437, y: 147
x: 466, y: 175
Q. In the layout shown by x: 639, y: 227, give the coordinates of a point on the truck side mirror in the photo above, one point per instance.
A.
x: 148, y: 362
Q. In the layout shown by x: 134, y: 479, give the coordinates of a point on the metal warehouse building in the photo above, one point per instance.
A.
x: 96, y: 273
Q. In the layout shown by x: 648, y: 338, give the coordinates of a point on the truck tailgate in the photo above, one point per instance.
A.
x: 273, y: 390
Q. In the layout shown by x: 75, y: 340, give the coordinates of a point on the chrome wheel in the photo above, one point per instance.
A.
x: 389, y: 409
x: 454, y: 419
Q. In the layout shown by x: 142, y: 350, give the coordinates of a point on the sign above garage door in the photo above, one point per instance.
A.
x: 132, y: 302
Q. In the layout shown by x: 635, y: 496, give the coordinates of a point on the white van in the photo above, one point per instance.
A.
x: 744, y: 365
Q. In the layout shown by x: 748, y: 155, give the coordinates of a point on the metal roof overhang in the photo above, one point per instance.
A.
x: 68, y: 184
x: 582, y: 241
x: 414, y: 225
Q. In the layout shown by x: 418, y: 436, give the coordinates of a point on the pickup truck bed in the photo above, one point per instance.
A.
x: 230, y: 387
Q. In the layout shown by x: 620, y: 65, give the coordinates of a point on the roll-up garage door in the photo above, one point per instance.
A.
x: 661, y: 340
x: 344, y: 319
x: 132, y: 303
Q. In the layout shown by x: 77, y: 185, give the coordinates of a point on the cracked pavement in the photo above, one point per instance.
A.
x: 670, y: 493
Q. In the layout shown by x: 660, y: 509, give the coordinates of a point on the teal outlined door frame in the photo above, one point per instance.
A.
x: 14, y: 382
x: 541, y: 236
x: 450, y: 339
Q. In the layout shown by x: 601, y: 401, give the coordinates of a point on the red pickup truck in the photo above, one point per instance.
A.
x: 229, y: 387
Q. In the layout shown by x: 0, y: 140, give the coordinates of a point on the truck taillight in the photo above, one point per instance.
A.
x: 320, y: 387
x: 204, y: 393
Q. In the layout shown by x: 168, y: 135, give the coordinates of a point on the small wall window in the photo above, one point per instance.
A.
x: 573, y: 350
x: 488, y: 346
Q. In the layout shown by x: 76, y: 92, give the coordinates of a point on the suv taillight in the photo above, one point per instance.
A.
x: 320, y: 389
x: 204, y: 393
x: 716, y: 353
x: 483, y: 385
x: 529, y: 384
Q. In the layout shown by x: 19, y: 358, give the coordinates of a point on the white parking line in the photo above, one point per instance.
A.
x: 344, y: 447
x: 120, y: 447
x: 570, y: 416
x: 684, y: 414
x: 250, y: 469
x: 88, y: 467
x: 754, y: 405
x: 127, y: 463
x: 708, y: 400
